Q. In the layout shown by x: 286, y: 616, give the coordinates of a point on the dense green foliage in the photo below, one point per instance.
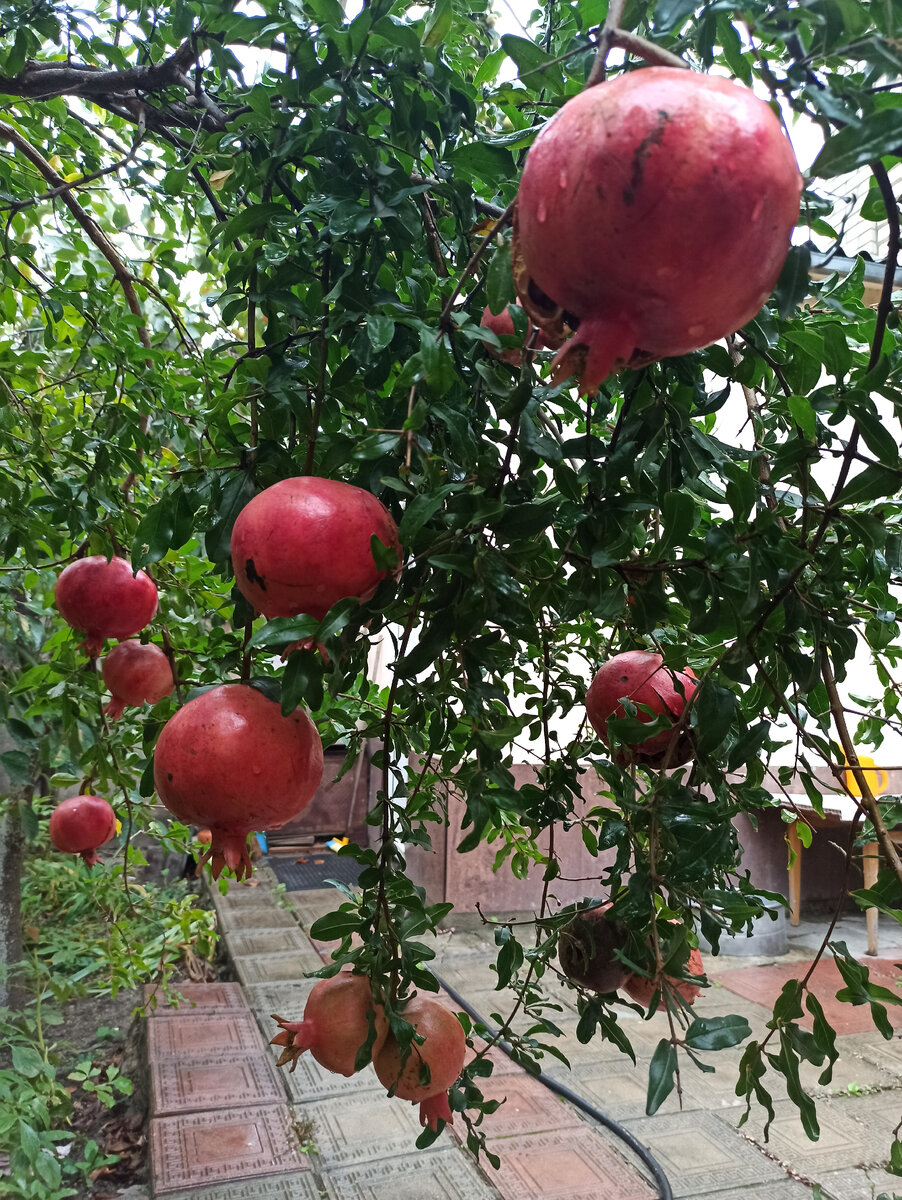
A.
x: 251, y: 276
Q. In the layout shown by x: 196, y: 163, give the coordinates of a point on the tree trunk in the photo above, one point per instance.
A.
x: 12, y: 845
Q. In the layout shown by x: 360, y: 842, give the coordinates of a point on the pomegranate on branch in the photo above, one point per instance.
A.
x: 228, y: 761
x: 80, y: 824
x: 424, y: 1075
x: 641, y: 677
x: 644, y: 990
x: 103, y: 598
x: 587, y: 950
x: 136, y: 674
x: 653, y: 218
x: 305, y: 543
x: 502, y: 324
x: 339, y: 1018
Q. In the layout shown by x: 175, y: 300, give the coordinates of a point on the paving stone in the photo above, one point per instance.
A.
x: 196, y: 998
x: 787, y: 1189
x: 277, y: 968
x: 696, y: 1155
x: 443, y: 1175
x: 266, y: 941
x: 364, y: 1128
x: 570, y: 1164
x: 202, y: 1035
x: 288, y: 999
x: 269, y: 1187
x: 870, y: 1045
x: 238, y: 897
x: 208, y: 1148
x: 309, y: 1081
x: 880, y: 1112
x: 859, y: 1184
x: 527, y: 1106
x: 844, y: 1140
x: 268, y: 916
x: 215, y: 1081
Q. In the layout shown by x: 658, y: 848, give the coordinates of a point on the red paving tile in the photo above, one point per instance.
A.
x: 527, y: 1107
x: 572, y: 1164
x: 195, y: 997
x: 200, y: 1035
x: 764, y: 984
x: 193, y: 1149
x: 216, y: 1081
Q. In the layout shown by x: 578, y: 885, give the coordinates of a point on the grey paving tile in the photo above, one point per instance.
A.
x: 270, y: 1187
x: 787, y: 1189
x: 276, y: 968
x: 266, y: 941
x: 309, y: 1081
x: 860, y: 1184
x: 442, y: 1175
x: 265, y: 916
x: 357, y: 1128
x: 287, y: 999
x: 698, y: 1157
x: 845, y: 1141
x: 881, y: 1112
x: 887, y: 1055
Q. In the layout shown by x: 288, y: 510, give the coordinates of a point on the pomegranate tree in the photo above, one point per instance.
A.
x: 136, y: 674
x: 228, y: 761
x: 340, y: 1018
x: 104, y: 598
x: 426, y: 1072
x: 644, y: 990
x: 81, y: 824
x: 653, y: 217
x: 640, y: 676
x: 305, y: 543
x: 587, y: 950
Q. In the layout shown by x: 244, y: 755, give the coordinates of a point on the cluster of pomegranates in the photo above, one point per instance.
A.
x: 587, y: 953
x: 653, y: 217
x: 229, y: 761
x: 345, y: 1027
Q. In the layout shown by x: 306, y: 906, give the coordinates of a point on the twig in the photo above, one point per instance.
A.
x: 471, y: 265
x: 605, y: 42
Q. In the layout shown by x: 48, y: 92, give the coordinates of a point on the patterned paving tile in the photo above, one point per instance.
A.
x: 209, y: 1148
x: 364, y: 1128
x: 192, y: 1037
x: 787, y: 1189
x: 215, y: 1081
x: 288, y: 999
x: 526, y: 1107
x: 697, y: 1155
x: 268, y: 916
x: 443, y: 1175
x: 570, y: 1164
x: 309, y: 1081
x: 255, y: 942
x: 845, y: 1141
x: 880, y: 1113
x: 195, y: 998
x: 859, y: 1184
x: 763, y: 985
x: 270, y: 1187
x: 871, y: 1046
x: 276, y: 968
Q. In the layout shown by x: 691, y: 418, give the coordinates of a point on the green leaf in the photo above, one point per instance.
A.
x: 479, y: 161
x: 803, y: 414
x: 678, y: 514
x: 380, y: 330
x: 27, y: 1061
x: 335, y: 926
x: 717, y: 1033
x: 873, y: 483
x: 878, y: 134
x: 532, y: 62
x: 669, y: 13
x: 18, y: 767
x: 282, y: 631
x: 661, y: 1076
x: 256, y: 217
x: 439, y: 23
x: 499, y: 279
x: 713, y: 710
x: 794, y: 283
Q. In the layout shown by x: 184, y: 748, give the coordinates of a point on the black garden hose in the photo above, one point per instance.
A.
x: 642, y: 1152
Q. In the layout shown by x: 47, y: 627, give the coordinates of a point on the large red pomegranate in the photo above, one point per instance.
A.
x: 654, y: 213
x: 230, y: 762
x: 104, y: 599
x: 338, y: 1017
x: 305, y: 543
x: 431, y: 1066
x: 643, y: 990
x: 136, y: 674
x: 81, y: 824
x: 587, y: 948
x: 640, y: 676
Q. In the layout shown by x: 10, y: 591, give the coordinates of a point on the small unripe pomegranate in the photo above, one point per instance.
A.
x: 81, y: 824
x: 136, y: 674
x: 230, y: 762
x: 305, y: 543
x: 655, y: 213
x: 104, y: 599
x: 430, y: 1068
x: 644, y: 990
x: 587, y: 947
x: 338, y: 1017
x: 640, y: 676
x: 501, y: 324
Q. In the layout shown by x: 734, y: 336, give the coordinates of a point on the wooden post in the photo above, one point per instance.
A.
x: 795, y: 874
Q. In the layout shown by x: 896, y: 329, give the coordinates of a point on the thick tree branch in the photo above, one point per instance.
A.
x: 44, y: 80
